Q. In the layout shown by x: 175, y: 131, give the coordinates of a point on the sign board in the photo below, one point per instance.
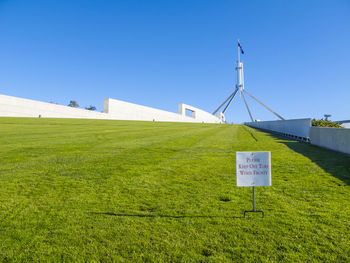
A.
x: 253, y: 168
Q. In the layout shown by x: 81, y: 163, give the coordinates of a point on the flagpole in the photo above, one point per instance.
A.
x: 238, y: 52
x: 237, y: 68
x: 240, y: 88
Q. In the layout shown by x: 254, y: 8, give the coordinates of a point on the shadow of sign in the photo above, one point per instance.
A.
x: 165, y: 216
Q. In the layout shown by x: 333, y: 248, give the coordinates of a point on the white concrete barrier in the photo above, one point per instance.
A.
x: 112, y: 109
x: 336, y: 139
x: 18, y: 107
x: 130, y: 111
x: 299, y: 128
x: 198, y: 114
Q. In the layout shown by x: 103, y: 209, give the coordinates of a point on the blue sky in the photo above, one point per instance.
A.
x: 160, y: 53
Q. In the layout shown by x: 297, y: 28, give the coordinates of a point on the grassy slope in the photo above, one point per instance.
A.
x: 143, y: 191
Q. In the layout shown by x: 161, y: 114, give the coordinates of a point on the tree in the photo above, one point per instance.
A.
x: 90, y: 108
x: 73, y: 104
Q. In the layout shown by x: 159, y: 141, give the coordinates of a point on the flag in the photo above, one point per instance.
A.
x: 240, y: 47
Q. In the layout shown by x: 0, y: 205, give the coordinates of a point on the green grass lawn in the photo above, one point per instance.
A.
x: 98, y: 190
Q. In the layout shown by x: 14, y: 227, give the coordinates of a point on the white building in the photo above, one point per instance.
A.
x: 112, y: 109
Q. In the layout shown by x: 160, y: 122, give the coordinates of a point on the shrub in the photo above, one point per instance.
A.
x: 324, y: 123
x: 73, y: 104
x: 90, y: 108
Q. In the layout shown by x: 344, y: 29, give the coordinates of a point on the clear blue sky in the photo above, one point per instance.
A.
x: 160, y: 53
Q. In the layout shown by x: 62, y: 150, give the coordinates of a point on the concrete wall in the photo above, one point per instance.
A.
x: 295, y: 127
x: 336, y: 139
x: 130, y: 111
x: 112, y: 109
x: 198, y: 114
x: 18, y: 107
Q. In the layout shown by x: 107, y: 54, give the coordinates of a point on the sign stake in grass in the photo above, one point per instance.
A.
x: 253, y: 169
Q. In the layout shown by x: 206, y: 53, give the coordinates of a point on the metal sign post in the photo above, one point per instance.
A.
x: 254, y: 211
x: 253, y: 169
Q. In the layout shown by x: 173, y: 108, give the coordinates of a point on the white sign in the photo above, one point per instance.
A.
x: 253, y: 168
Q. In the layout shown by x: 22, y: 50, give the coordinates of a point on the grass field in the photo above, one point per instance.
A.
x: 95, y: 190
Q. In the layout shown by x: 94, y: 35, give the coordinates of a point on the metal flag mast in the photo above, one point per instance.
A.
x: 240, y: 87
